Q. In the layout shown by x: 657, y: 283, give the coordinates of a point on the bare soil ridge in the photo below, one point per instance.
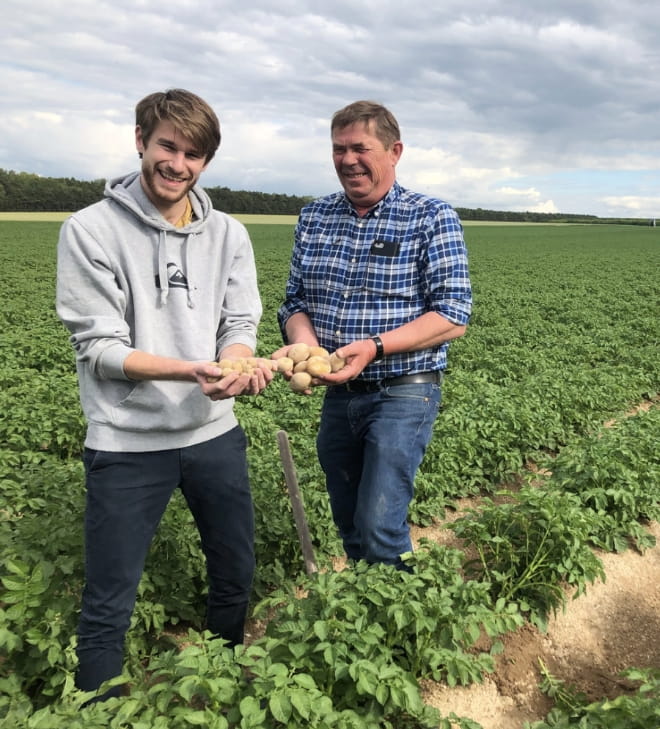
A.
x: 615, y: 625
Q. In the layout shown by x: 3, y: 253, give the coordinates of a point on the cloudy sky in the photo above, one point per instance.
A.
x: 503, y: 104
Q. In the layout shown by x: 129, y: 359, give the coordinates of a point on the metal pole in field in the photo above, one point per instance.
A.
x: 296, y: 502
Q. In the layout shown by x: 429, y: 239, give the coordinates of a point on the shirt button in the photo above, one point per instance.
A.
x: 338, y: 333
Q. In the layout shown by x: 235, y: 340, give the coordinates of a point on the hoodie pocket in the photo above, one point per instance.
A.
x: 166, y: 406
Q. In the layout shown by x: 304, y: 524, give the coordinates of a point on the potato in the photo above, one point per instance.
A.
x: 213, y: 379
x: 317, y: 351
x: 267, y: 364
x: 284, y: 364
x: 318, y: 366
x: 336, y: 362
x: 258, y: 363
x: 238, y: 365
x: 226, y: 367
x: 298, y: 352
x: 300, y: 381
x: 300, y: 366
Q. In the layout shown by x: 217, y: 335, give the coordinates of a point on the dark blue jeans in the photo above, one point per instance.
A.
x: 127, y: 494
x: 370, y: 446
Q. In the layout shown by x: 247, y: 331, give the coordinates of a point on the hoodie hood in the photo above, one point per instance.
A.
x: 128, y: 192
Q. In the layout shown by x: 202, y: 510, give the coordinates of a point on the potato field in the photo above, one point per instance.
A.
x: 541, y: 423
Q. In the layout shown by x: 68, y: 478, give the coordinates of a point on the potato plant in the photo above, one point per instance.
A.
x: 640, y: 710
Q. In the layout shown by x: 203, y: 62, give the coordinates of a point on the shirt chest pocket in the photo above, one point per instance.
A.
x: 325, y: 267
x: 390, y: 277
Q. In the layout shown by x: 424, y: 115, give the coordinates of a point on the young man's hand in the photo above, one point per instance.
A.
x: 217, y: 386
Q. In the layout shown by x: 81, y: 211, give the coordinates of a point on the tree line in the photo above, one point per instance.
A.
x: 27, y: 192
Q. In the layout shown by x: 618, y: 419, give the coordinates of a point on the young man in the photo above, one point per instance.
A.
x: 154, y: 285
x: 378, y: 273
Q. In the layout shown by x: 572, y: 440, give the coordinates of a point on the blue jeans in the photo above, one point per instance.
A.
x: 370, y: 446
x: 127, y: 494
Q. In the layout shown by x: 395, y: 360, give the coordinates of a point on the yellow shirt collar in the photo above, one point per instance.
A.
x: 187, y: 216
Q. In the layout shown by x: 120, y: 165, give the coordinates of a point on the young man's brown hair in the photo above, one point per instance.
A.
x: 190, y: 115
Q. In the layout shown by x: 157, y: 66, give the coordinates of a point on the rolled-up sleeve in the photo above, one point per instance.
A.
x: 446, y: 274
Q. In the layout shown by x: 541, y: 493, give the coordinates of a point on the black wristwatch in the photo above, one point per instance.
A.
x: 380, y: 350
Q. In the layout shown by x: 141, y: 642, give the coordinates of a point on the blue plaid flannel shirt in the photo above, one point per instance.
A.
x: 355, y: 277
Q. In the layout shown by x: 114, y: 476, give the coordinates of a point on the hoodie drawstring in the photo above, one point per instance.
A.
x: 162, y: 267
x: 186, y: 269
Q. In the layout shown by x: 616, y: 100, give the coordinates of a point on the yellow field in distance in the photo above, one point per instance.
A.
x: 246, y: 219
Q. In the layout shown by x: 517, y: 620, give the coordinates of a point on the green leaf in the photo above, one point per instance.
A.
x: 196, y: 718
x: 280, y: 707
x: 302, y: 702
x: 305, y: 681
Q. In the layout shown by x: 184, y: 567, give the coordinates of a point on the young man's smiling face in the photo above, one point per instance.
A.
x: 366, y: 169
x: 171, y: 165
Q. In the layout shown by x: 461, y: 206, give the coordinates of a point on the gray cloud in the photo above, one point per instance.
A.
x: 501, y: 104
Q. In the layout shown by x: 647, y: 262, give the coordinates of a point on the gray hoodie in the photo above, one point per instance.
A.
x: 128, y: 280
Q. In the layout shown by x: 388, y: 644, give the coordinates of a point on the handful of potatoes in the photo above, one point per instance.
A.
x: 308, y: 362
x: 305, y: 361
x: 242, y: 365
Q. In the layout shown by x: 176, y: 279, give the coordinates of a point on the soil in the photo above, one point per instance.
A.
x: 615, y: 625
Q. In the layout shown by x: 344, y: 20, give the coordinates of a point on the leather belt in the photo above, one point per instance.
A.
x: 363, y: 386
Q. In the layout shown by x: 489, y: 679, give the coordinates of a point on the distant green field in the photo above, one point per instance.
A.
x: 245, y: 219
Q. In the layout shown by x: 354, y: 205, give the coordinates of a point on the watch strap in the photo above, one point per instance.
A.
x: 380, y: 350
